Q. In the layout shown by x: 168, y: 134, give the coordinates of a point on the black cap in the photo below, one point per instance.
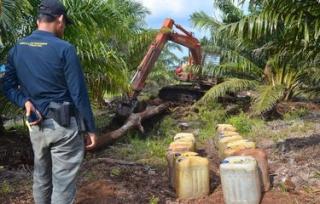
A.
x: 54, y: 8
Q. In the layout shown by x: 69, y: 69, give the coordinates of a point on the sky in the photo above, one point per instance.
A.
x: 179, y: 10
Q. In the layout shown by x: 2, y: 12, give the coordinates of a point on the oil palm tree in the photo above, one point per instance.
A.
x: 272, y: 50
x: 12, y: 14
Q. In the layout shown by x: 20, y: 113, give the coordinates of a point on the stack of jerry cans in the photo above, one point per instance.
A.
x: 230, y: 141
x: 188, y: 173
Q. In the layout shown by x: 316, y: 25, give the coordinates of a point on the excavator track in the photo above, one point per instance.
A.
x: 181, y: 93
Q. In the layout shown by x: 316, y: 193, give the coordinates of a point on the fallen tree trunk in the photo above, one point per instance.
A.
x: 134, y: 121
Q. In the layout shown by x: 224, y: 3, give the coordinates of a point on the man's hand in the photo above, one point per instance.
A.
x: 29, y: 109
x: 90, y: 141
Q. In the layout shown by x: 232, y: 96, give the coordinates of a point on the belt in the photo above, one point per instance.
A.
x: 51, y: 114
x: 61, y: 113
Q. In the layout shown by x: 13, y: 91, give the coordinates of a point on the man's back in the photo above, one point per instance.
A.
x: 47, y: 69
x: 39, y: 62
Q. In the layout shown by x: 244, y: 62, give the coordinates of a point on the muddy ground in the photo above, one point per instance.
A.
x: 294, y: 169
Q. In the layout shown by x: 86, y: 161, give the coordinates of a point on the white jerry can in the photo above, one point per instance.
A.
x: 240, y: 180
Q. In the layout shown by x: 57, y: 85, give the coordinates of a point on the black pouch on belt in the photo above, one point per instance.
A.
x: 61, y: 113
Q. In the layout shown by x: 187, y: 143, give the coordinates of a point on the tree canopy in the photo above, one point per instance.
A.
x: 271, y: 49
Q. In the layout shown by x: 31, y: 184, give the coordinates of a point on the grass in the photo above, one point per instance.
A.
x: 294, y: 128
x: 116, y: 171
x: 5, y: 188
x: 19, y: 127
x: 295, y: 114
x: 208, y: 117
x: 154, y: 200
x: 316, y: 175
x: 150, y: 150
x: 244, y: 123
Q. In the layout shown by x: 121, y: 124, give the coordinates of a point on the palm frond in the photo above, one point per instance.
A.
x: 242, y: 70
x: 203, y: 21
x: 230, y: 85
x: 267, y: 97
x: 231, y: 13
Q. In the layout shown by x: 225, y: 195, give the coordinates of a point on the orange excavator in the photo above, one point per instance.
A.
x: 166, y: 34
x: 175, y: 92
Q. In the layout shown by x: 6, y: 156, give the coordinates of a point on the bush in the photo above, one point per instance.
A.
x: 244, y: 123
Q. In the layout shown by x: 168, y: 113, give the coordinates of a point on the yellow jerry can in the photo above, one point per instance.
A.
x: 192, y: 177
x: 225, y: 127
x: 225, y: 140
x: 182, y: 146
x: 184, y: 137
x: 235, y: 146
x: 228, y: 134
x: 171, y: 159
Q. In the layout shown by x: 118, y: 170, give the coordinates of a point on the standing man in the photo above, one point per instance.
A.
x: 44, y: 76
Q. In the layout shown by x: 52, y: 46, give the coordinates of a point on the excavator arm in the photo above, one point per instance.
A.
x: 166, y: 34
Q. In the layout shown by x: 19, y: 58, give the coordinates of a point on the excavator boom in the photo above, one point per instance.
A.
x: 166, y: 34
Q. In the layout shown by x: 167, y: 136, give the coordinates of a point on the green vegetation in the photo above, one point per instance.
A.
x: 208, y: 116
x: 154, y: 200
x: 316, y: 175
x: 244, y: 123
x: 5, y: 188
x: 296, y: 114
x: 272, y: 49
x: 149, y: 150
x: 116, y: 171
x: 293, y: 128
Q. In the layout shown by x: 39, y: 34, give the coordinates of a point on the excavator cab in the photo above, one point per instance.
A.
x: 186, y: 72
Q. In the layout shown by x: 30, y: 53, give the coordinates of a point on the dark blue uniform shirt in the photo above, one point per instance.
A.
x: 43, y: 68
